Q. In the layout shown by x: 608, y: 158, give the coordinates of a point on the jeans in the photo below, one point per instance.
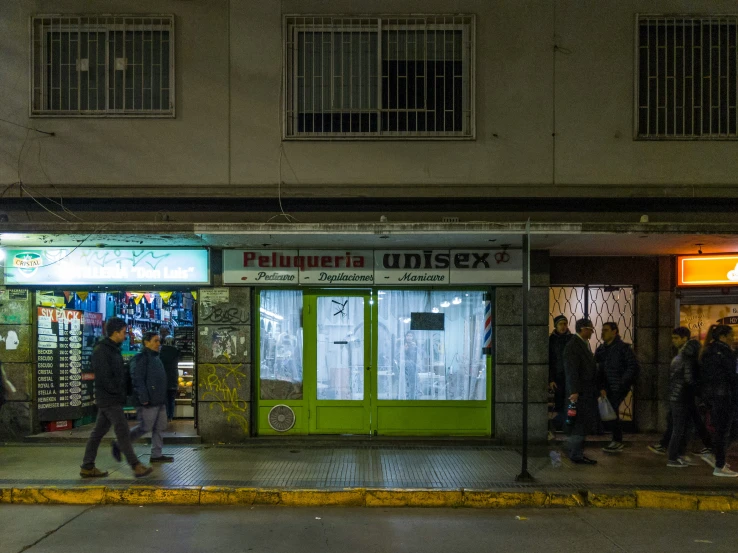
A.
x: 107, y: 417
x: 171, y: 396
x: 680, y: 414
x: 576, y: 447
x: 151, y: 419
x: 722, y: 418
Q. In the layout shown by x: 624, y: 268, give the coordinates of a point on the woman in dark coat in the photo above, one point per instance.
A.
x: 581, y: 386
x: 719, y: 389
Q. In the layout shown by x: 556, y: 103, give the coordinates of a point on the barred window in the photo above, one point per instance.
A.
x: 87, y: 65
x: 687, y: 77
x: 379, y: 77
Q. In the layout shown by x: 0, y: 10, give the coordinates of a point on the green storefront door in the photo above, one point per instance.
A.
x: 338, y: 371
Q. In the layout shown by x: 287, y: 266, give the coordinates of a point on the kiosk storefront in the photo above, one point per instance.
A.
x: 707, y: 292
x: 74, y: 290
x: 373, y: 342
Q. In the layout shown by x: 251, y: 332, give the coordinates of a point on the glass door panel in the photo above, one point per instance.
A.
x: 341, y: 368
x: 340, y: 348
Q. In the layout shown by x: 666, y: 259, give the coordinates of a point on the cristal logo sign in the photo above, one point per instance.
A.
x: 27, y: 262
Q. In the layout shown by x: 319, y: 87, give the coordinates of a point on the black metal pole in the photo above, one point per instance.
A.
x: 524, y: 475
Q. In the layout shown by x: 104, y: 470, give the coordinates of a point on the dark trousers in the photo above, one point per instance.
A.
x: 576, y: 447
x: 680, y: 414
x: 171, y: 396
x: 721, y: 415
x: 559, y: 404
x: 697, y: 422
x: 616, y: 426
x: 107, y: 417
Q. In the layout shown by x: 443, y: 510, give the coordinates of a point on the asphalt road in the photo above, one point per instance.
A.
x: 61, y: 529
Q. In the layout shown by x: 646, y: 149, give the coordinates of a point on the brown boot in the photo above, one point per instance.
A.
x: 141, y: 470
x: 94, y: 472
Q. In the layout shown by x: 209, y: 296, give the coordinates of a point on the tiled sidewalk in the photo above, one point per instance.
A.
x: 301, y: 466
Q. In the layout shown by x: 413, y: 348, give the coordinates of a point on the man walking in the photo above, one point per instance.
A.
x: 111, y: 385
x: 617, y: 371
x: 682, y: 378
x: 558, y: 340
x: 150, y: 391
x: 581, y: 387
x: 680, y: 337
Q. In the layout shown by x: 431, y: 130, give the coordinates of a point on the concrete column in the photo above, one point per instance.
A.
x: 18, y: 417
x: 508, y: 356
x: 654, y: 323
x: 224, y: 366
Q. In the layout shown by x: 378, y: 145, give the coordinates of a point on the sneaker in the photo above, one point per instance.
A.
x: 613, y: 447
x: 658, y: 449
x: 704, y: 451
x: 689, y: 460
x: 725, y: 472
x: 708, y: 458
x: 162, y: 459
x: 115, y: 450
x: 94, y: 472
x: 678, y: 464
x: 141, y: 470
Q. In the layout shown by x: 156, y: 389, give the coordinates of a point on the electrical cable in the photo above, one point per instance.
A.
x: 42, y: 205
x: 85, y: 239
x: 29, y: 128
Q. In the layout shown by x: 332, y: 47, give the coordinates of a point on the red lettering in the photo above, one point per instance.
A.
x: 313, y: 261
x: 248, y: 257
x: 326, y: 261
x: 263, y: 261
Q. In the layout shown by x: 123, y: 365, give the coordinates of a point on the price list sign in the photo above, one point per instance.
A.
x: 59, y: 381
x: 184, y: 341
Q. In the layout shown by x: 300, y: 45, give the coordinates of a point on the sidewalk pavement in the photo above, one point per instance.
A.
x: 369, y: 472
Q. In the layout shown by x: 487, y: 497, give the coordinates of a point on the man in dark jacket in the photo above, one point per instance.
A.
x: 680, y: 337
x: 556, y: 374
x: 581, y: 387
x: 111, y: 384
x: 682, y: 378
x: 150, y: 391
x: 169, y: 356
x: 617, y: 371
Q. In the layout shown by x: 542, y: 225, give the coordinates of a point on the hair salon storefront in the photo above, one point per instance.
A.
x: 373, y: 342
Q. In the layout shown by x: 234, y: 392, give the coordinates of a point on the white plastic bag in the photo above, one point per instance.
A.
x: 607, y: 413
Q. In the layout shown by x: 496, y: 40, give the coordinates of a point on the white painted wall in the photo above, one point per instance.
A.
x: 595, y: 154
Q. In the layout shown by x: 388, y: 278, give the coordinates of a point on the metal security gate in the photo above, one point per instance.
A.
x: 601, y: 304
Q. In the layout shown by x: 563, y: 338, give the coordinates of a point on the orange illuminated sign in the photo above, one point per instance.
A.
x: 708, y: 270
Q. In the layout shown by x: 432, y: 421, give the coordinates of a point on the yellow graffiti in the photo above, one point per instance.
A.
x: 213, y: 382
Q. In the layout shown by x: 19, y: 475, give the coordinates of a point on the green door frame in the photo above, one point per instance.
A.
x: 335, y: 416
x: 418, y: 417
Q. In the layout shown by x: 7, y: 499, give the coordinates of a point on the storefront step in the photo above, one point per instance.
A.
x: 180, y: 432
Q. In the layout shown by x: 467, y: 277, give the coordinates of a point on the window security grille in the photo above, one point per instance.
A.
x: 87, y: 65
x: 386, y: 77
x: 687, y: 77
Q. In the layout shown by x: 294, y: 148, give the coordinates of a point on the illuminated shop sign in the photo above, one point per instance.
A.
x: 708, y: 270
x: 367, y: 267
x: 83, y: 266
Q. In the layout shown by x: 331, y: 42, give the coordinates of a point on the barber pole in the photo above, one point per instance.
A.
x: 487, y: 348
